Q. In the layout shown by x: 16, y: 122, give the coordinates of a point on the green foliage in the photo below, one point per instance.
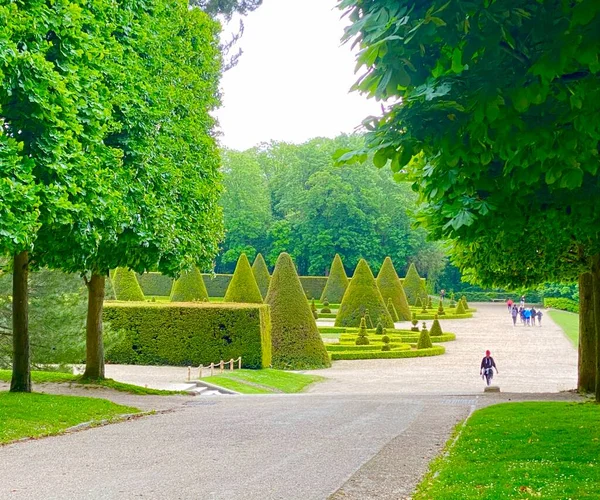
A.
x: 243, y: 287
x: 429, y: 303
x: 37, y: 415
x: 191, y: 334
x: 261, y: 274
x: 392, y: 310
x: 337, y: 281
x: 418, y: 302
x: 460, y: 308
x: 362, y: 337
x: 362, y: 296
x: 424, y: 339
x: 325, y: 309
x: 296, y: 340
x: 562, y: 303
x: 569, y: 323
x: 126, y: 285
x: 391, y: 289
x: 313, y: 286
x: 109, y: 290
x: 413, y: 286
x: 265, y: 381
x: 465, y: 304
x: 414, y: 322
x: 436, y: 329
x: 155, y: 284
x: 216, y: 285
x: 313, y: 309
x: 393, y: 354
x: 440, y: 309
x: 379, y: 329
x: 189, y: 287
x: 386, y: 343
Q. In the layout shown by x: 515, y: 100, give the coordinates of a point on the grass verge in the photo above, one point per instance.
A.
x: 35, y: 415
x: 569, y: 322
x: 41, y: 377
x: 267, y: 381
x: 521, y: 450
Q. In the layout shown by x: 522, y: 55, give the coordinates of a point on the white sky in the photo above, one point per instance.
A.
x: 292, y: 82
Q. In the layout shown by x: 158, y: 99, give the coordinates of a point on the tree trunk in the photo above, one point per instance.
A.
x: 94, y: 358
x: 596, y: 281
x: 586, y: 381
x: 21, y: 374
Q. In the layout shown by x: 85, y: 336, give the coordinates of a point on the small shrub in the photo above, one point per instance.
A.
x: 418, y: 302
x: 243, y: 286
x: 325, y: 310
x: 362, y: 338
x: 379, y: 329
x: 424, y: 309
x: 126, y: 286
x: 429, y: 303
x: 460, y: 308
x: 424, y: 339
x: 415, y: 323
x: 440, y: 309
x: 189, y: 288
x: 392, y: 310
x: 386, y: 343
x: 436, y: 328
x: 313, y: 309
x: 465, y: 305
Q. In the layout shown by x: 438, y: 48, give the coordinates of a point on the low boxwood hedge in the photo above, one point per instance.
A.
x: 155, y: 284
x: 327, y: 315
x: 406, y: 337
x: 313, y: 286
x: 190, y: 334
x: 347, y: 347
x: 436, y: 350
x: 445, y: 316
x: 562, y: 303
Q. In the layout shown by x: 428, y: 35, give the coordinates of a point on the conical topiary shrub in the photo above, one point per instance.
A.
x: 424, y: 339
x: 440, y: 309
x: 362, y: 337
x: 465, y: 304
x: 126, y: 286
x: 109, y: 290
x: 379, y: 329
x: 413, y: 285
x: 243, y: 287
x: 362, y: 295
x: 392, y: 310
x: 189, y: 287
x: 418, y: 302
x: 337, y: 282
x: 429, y: 303
x: 436, y: 328
x: 460, y: 308
x: 261, y: 274
x: 297, y: 344
x: 391, y: 287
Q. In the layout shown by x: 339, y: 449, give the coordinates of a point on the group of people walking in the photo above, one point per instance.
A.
x: 527, y: 315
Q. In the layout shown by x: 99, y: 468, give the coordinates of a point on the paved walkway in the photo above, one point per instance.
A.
x: 530, y: 359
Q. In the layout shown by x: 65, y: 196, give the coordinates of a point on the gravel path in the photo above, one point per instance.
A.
x: 530, y: 359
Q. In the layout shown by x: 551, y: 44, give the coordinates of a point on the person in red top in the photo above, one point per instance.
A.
x: 485, y: 370
x: 509, y: 303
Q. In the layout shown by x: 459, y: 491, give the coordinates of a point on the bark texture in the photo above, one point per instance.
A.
x: 596, y: 299
x: 21, y: 373
x: 94, y: 358
x: 586, y: 381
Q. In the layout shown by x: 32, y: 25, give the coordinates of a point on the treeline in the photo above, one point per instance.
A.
x: 282, y: 197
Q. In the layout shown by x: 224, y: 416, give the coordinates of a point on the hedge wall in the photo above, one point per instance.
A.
x: 216, y: 285
x: 436, y: 350
x: 562, y: 303
x: 313, y: 286
x: 155, y: 284
x: 190, y: 334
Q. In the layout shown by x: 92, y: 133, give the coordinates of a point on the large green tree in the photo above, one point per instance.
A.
x: 493, y: 119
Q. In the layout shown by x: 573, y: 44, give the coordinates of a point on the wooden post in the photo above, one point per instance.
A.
x: 231, y: 364
x: 189, y: 373
x: 240, y: 363
x: 200, y: 371
x: 221, y: 366
x: 212, y: 367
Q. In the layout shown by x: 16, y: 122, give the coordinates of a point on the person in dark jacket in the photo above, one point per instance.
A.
x: 487, y: 365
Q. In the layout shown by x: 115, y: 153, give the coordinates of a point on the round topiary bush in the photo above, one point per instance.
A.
x: 391, y: 287
x: 126, y: 286
x: 243, y: 287
x: 424, y: 339
x: 261, y: 274
x: 325, y: 309
x: 189, y: 287
x: 415, y: 323
x: 362, y: 337
x: 297, y: 344
x: 436, y: 328
x: 362, y: 295
x: 386, y: 343
x: 337, y: 282
x: 413, y: 285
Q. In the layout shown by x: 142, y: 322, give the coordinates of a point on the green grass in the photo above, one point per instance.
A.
x: 521, y: 450
x: 265, y: 381
x: 35, y: 415
x: 41, y: 377
x: 569, y: 322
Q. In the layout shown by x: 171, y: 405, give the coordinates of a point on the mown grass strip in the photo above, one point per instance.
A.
x: 521, y: 450
x: 35, y: 415
x: 569, y: 322
x: 267, y: 380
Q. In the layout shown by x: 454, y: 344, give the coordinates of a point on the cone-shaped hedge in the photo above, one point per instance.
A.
x: 465, y: 303
x: 243, y: 287
x: 392, y: 310
x: 460, y: 308
x: 390, y: 287
x: 189, y: 287
x: 362, y: 295
x: 413, y: 286
x: 261, y: 274
x: 109, y: 290
x: 126, y: 286
x: 424, y: 339
x: 297, y: 344
x: 436, y: 328
x: 362, y: 337
x: 337, y: 282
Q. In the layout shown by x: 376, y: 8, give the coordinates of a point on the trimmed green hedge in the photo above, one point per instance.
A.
x: 261, y: 274
x: 190, y: 334
x: 347, y: 348
x: 445, y: 316
x: 404, y: 338
x: 392, y: 291
x: 562, y: 303
x: 313, y: 286
x: 243, y: 286
x: 436, y: 350
x: 189, y: 288
x: 155, y: 284
x: 337, y: 282
x: 126, y: 286
x: 216, y: 285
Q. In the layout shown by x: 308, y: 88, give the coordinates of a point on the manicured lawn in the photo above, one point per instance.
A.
x: 35, y: 415
x: 521, y: 450
x: 41, y: 377
x: 569, y: 322
x: 266, y: 381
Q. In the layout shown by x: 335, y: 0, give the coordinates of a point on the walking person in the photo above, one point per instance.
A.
x: 514, y: 313
x: 527, y: 317
x: 509, y: 304
x: 522, y: 315
x: 485, y: 369
x: 522, y: 301
x: 533, y: 316
x: 539, y: 317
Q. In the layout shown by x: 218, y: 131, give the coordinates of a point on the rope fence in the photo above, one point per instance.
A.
x: 221, y: 366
